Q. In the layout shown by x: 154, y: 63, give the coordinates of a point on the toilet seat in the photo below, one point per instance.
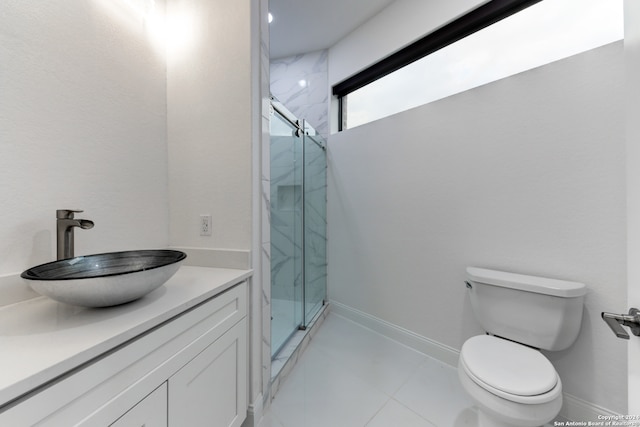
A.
x: 510, y: 370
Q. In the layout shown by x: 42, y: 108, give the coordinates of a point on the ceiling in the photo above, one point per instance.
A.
x: 301, y: 26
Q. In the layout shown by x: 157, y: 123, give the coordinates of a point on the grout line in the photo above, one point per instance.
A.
x: 411, y: 410
x: 378, y: 411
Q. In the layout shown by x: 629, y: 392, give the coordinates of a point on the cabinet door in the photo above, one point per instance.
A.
x: 211, y: 389
x: 149, y: 412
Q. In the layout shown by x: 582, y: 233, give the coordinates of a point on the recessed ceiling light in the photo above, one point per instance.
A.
x: 270, y: 18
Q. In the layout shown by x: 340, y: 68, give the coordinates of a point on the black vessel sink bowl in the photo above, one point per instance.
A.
x: 104, y: 280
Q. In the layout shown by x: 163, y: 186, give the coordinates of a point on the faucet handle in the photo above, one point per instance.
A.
x: 66, y: 213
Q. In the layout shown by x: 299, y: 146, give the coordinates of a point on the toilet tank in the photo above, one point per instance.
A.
x: 536, y: 311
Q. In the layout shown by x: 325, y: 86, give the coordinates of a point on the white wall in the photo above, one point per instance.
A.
x: 210, y: 125
x: 526, y: 174
x: 377, y: 38
x: 82, y: 125
x: 632, y: 58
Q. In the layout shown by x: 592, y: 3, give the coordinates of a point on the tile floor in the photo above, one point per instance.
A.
x: 350, y: 376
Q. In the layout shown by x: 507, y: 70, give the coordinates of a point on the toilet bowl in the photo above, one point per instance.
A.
x: 504, y: 372
x: 512, y: 385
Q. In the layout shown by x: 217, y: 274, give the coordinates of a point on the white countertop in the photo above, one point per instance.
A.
x: 41, y: 339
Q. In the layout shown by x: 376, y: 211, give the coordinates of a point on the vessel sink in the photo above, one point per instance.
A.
x: 104, y: 280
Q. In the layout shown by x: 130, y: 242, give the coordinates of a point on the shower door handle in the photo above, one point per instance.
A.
x: 616, y: 321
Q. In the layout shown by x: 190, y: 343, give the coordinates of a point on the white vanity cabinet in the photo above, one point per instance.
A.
x: 188, y: 371
x: 205, y: 391
x: 150, y: 412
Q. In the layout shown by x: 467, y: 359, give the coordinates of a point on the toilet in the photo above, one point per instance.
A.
x: 504, y: 372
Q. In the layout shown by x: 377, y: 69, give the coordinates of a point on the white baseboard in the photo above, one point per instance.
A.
x: 404, y: 336
x: 254, y: 412
x: 576, y: 409
x: 573, y: 408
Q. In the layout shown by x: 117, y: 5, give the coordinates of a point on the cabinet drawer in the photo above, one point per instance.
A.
x: 150, y: 412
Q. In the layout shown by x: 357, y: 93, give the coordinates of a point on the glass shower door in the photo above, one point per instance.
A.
x: 315, y: 223
x: 286, y: 230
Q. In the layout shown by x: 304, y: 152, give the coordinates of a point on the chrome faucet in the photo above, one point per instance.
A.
x: 65, y: 224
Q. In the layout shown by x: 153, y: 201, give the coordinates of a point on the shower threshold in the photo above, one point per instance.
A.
x: 287, y: 357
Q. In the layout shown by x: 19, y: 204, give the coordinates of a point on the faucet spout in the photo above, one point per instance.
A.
x: 85, y: 224
x: 65, y: 225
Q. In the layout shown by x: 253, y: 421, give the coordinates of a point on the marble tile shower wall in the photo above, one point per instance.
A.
x: 301, y: 83
x: 265, y: 209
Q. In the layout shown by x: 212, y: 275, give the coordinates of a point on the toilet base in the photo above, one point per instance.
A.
x: 494, y: 411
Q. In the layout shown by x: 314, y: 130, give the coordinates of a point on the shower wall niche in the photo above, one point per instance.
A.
x: 298, y: 225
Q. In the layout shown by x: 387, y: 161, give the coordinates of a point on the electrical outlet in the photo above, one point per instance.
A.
x: 205, y: 225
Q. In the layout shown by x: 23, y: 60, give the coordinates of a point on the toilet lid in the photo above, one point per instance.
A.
x: 507, y: 366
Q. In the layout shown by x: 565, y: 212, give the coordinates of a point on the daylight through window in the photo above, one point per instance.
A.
x: 545, y: 32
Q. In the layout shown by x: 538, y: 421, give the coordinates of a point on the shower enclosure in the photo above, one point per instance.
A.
x: 298, y: 225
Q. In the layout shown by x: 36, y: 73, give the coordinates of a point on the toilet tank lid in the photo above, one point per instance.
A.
x: 540, y: 285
